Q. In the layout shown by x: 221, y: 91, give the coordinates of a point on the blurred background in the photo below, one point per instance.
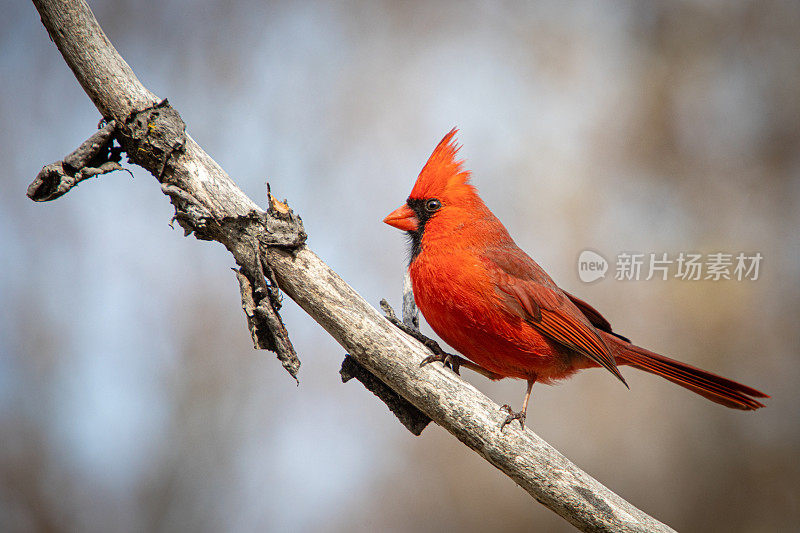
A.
x: 130, y: 396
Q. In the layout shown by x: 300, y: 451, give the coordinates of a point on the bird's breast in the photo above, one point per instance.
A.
x: 458, y: 299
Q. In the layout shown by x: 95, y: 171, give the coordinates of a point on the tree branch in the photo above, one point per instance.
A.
x: 95, y: 156
x: 209, y: 204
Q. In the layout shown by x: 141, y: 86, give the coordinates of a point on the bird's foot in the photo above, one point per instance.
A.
x: 449, y: 360
x: 512, y: 415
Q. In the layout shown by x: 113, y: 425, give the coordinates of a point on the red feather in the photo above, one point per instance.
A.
x: 490, y: 301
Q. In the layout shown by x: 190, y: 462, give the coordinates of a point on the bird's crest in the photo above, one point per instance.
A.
x: 443, y: 176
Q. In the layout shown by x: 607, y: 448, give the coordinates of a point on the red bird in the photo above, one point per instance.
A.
x: 490, y: 301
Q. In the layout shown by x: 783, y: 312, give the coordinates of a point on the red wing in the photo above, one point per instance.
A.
x: 591, y: 313
x: 554, y: 315
x: 594, y: 316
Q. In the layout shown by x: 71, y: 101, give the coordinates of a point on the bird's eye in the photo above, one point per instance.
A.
x: 432, y: 205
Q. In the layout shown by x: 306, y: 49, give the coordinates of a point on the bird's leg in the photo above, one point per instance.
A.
x: 447, y: 359
x: 521, y: 414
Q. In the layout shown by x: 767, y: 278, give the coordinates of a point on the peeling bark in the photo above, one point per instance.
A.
x: 95, y: 156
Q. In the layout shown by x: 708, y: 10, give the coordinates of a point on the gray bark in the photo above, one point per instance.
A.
x: 95, y: 156
x: 209, y: 203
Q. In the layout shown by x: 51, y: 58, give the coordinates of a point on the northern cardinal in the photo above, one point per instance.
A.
x: 490, y: 301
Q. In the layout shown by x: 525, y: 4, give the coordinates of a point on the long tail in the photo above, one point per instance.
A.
x: 716, y: 388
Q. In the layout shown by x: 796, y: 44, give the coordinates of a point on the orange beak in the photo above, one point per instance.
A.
x: 403, y: 218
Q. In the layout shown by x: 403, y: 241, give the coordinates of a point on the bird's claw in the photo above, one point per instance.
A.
x: 447, y: 359
x: 512, y: 415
